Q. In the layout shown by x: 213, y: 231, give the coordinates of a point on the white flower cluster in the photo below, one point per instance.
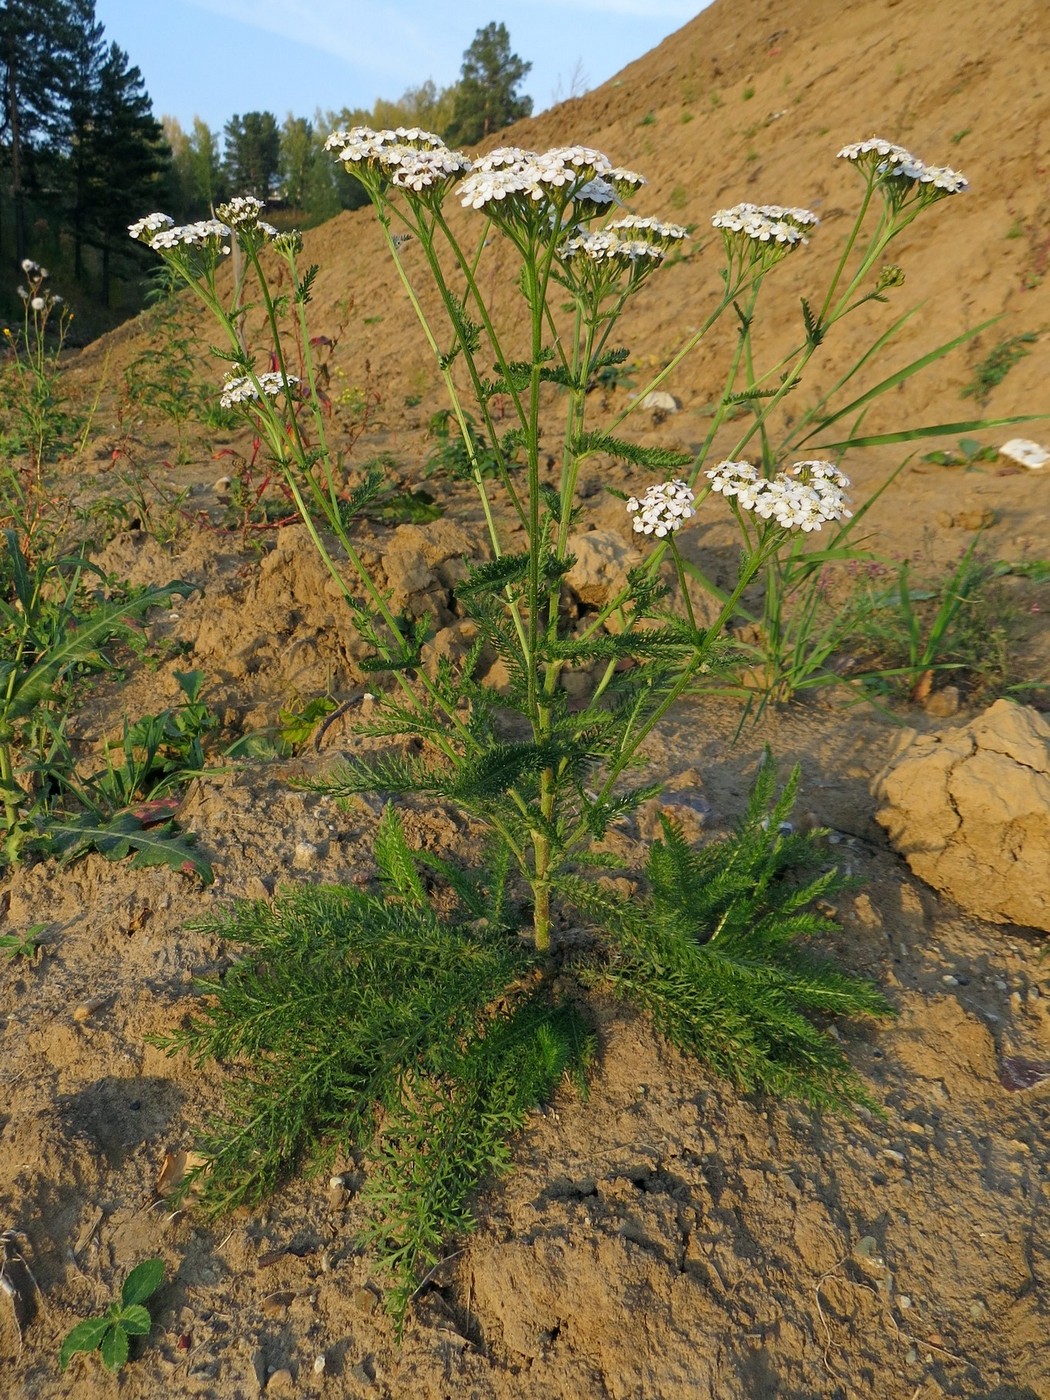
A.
x: 597, y: 192
x: 242, y: 209
x: 423, y: 170
x: 604, y: 246
x: 190, y: 235
x: 663, y: 509
x: 806, y: 498
x: 649, y: 227
x: 896, y: 162
x: 151, y: 224
x: 772, y: 224
x: 565, y: 171
x: 407, y: 156
x: 242, y: 214
x: 241, y: 388
x: 34, y: 270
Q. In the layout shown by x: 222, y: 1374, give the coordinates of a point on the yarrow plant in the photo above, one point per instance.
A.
x: 540, y: 748
x: 551, y: 785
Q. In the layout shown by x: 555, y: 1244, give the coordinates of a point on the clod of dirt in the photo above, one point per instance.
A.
x: 603, y: 560
x: 969, y: 809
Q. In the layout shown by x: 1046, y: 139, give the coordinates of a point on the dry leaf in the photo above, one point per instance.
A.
x: 173, y: 1168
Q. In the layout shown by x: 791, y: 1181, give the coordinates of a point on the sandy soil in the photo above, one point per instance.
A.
x: 664, y: 1239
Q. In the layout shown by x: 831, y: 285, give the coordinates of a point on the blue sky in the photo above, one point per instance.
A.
x: 215, y: 58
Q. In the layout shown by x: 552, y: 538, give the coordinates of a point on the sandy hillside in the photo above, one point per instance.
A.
x: 664, y: 1240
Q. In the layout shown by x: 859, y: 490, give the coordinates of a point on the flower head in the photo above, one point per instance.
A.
x: 504, y: 156
x: 732, y: 478
x: 650, y: 229
x: 405, y: 156
x: 605, y: 245
x: 759, y: 235
x: 150, y: 225
x: 625, y: 182
x: 806, y: 497
x: 766, y: 223
x: 289, y: 242
x: 903, y: 177
x: 663, y: 509
x: 241, y: 388
x: 516, y: 185
x: 418, y: 170
x: 241, y: 211
x: 204, y: 233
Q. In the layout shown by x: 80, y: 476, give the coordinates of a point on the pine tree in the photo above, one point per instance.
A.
x: 34, y: 44
x: 253, y: 154
x: 128, y: 155
x: 80, y: 92
x: 486, y: 97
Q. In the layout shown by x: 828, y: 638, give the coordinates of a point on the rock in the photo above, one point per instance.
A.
x: 967, y: 519
x: 660, y: 402
x: 365, y: 1371
x: 969, y: 809
x: 600, y: 572
x: 282, y: 1382
x: 366, y: 1300
x: 943, y: 703
x: 1025, y: 453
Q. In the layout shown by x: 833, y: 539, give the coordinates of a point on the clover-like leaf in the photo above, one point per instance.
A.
x: 114, y: 1348
x: 85, y: 1336
x: 141, y: 1283
x: 136, y: 1321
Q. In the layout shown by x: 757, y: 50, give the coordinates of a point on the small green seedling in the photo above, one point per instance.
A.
x: 109, y: 1333
x: 969, y: 452
x: 27, y: 945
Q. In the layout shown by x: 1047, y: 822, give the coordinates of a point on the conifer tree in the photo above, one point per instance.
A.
x: 253, y: 154
x: 34, y: 42
x: 127, y: 153
x: 487, y: 97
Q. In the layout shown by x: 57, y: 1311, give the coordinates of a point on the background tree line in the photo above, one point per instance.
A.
x: 81, y: 152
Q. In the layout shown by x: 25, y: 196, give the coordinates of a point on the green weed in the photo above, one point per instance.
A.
x: 990, y: 372
x: 110, y: 1335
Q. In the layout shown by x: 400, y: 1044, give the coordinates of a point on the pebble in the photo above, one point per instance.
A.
x: 281, y: 1382
x: 364, y: 1372
x: 87, y: 1009
x: 320, y: 1362
x: 949, y: 980
x: 904, y: 1301
x: 943, y: 703
x: 892, y: 1155
x: 365, y: 1300
x: 1000, y: 985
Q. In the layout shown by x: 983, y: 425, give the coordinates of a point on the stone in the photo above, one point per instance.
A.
x: 658, y: 401
x: 1025, y: 453
x: 969, y: 809
x: 599, y: 574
